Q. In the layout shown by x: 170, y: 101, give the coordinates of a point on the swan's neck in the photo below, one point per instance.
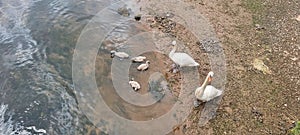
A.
x: 173, y: 50
x: 206, y: 81
x: 203, y: 86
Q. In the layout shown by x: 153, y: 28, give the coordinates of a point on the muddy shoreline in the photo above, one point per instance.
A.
x: 261, y: 44
x: 263, y: 66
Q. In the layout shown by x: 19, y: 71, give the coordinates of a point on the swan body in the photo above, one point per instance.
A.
x: 207, y: 92
x: 138, y: 59
x: 134, y: 84
x: 181, y: 59
x: 122, y: 55
x: 143, y: 66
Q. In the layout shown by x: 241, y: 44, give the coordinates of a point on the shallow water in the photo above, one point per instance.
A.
x: 37, y: 47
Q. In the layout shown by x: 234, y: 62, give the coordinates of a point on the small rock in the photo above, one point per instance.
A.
x: 285, y: 105
x: 196, y: 103
x: 175, y: 70
x: 286, y: 53
x: 228, y: 110
x: 158, y: 86
x: 124, y: 11
x: 138, y: 17
x: 201, y: 3
x: 173, y: 66
x: 260, y: 65
x: 294, y: 59
x: 259, y: 27
x: 298, y: 18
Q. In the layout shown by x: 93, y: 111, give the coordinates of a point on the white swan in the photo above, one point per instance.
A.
x: 134, y: 84
x: 122, y: 55
x: 143, y: 66
x: 207, y: 92
x: 138, y: 59
x: 181, y: 59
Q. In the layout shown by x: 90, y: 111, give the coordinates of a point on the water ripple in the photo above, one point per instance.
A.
x: 14, y: 35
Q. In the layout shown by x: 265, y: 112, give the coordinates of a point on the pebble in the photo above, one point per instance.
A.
x: 285, y: 105
x: 196, y: 103
x: 260, y: 65
x: 175, y: 71
x: 138, y: 17
x: 298, y: 18
x: 228, y: 110
x: 259, y: 27
x: 124, y: 11
x: 294, y: 59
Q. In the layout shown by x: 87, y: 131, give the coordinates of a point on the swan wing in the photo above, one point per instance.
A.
x: 122, y: 54
x: 134, y: 84
x: 211, y: 92
x: 142, y: 67
x: 183, y: 59
x: 139, y: 58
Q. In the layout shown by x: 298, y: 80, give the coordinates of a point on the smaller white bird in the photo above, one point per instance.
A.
x: 134, y: 84
x: 122, y: 55
x: 138, y: 59
x: 143, y: 66
x: 207, y: 92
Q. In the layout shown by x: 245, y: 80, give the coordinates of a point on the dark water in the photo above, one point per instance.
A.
x: 37, y: 39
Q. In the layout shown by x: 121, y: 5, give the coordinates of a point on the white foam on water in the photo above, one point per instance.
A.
x: 65, y: 116
x: 37, y: 130
x: 7, y: 126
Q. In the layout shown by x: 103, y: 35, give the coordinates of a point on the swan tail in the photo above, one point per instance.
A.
x: 194, y: 64
x: 219, y: 93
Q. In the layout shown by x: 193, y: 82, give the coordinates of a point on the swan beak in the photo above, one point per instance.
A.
x: 210, y: 79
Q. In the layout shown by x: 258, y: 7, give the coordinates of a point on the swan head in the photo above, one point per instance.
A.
x: 112, y: 53
x: 174, y: 42
x: 211, y: 74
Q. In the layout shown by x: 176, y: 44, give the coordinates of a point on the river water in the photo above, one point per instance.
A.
x: 37, y: 38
